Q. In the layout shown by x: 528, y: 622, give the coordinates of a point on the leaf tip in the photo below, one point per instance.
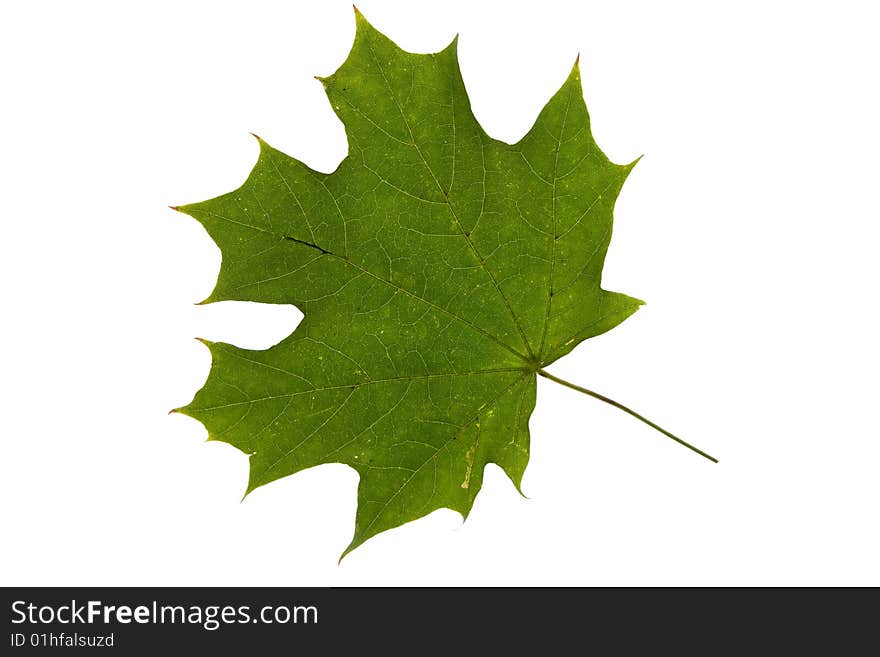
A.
x: 356, y: 541
x: 359, y: 19
x: 181, y: 410
x: 361, y: 22
x: 252, y: 484
x: 346, y: 552
x: 626, y: 169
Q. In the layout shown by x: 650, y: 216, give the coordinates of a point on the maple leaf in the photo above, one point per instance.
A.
x: 438, y: 271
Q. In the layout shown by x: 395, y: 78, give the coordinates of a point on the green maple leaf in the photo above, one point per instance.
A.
x: 438, y: 270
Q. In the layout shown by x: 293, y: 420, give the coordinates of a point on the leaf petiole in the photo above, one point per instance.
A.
x: 625, y: 409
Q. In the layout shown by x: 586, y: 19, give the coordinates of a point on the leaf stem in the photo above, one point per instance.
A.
x: 625, y: 409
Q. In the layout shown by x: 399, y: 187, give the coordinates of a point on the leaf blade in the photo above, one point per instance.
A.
x: 437, y: 270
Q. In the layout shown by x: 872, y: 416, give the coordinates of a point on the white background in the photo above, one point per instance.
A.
x: 750, y: 227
